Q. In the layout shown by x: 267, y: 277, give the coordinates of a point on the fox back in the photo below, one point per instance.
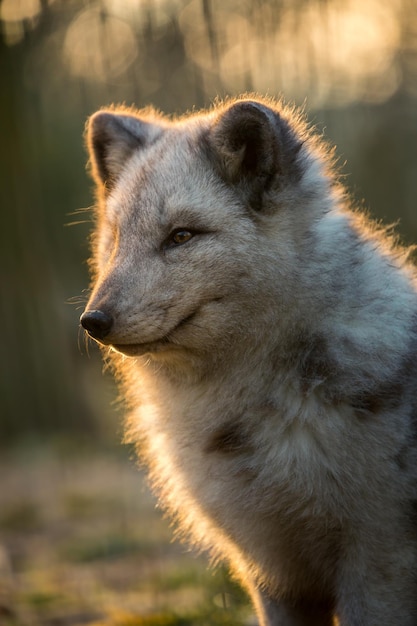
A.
x: 265, y: 337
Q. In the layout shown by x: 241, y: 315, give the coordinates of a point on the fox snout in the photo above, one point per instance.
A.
x: 97, y: 323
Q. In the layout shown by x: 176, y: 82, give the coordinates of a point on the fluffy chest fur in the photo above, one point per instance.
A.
x: 229, y: 459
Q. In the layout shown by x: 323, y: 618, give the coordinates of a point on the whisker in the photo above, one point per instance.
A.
x: 77, y: 212
x: 78, y: 300
x: 80, y: 330
x: 87, y: 343
x: 77, y: 222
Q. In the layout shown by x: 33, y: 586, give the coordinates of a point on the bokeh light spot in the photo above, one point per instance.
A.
x: 99, y: 46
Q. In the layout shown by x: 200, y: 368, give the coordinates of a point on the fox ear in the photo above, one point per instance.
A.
x: 254, y: 144
x: 111, y: 139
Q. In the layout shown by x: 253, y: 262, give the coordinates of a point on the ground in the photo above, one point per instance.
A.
x: 82, y: 543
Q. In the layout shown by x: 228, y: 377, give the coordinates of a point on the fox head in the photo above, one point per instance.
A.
x: 194, y: 245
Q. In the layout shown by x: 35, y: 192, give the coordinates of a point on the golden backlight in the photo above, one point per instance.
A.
x: 339, y: 51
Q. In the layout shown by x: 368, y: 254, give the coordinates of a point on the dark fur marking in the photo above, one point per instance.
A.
x: 412, y: 513
x: 316, y: 611
x: 107, y: 129
x: 385, y: 397
x: 413, y: 420
x: 388, y: 395
x: 315, y: 365
x: 100, y: 148
x: 401, y: 458
x: 229, y: 439
x: 411, y: 370
x: 262, y: 144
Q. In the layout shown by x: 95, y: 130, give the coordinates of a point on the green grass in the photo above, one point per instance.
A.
x: 22, y: 516
x: 105, y: 547
x: 81, y: 543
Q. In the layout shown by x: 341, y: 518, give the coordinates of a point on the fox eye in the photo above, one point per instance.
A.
x: 179, y: 236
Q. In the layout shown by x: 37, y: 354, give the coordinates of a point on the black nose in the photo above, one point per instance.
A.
x: 96, y: 323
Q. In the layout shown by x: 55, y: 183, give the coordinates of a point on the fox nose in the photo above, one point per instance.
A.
x: 96, y: 323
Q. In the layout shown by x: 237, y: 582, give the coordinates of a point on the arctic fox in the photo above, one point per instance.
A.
x: 265, y: 335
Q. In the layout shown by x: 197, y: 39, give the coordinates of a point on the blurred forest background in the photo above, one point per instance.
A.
x: 352, y: 63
